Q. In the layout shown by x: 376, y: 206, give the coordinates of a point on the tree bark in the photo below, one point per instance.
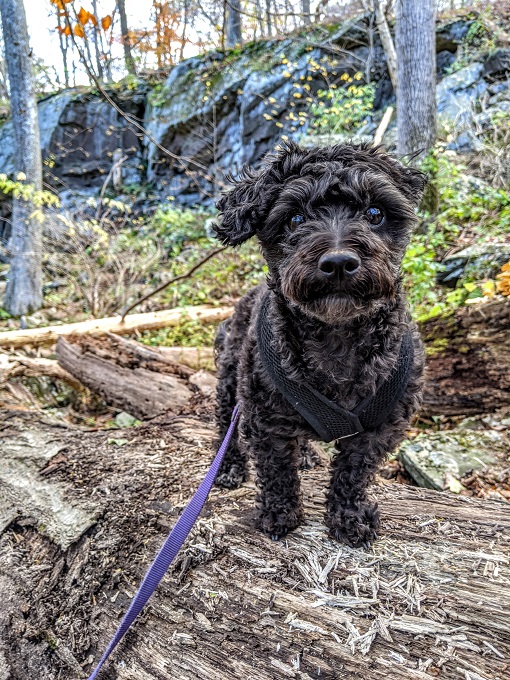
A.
x: 430, y: 598
x: 234, y: 25
x: 128, y: 56
x: 24, y: 288
x: 468, y: 360
x: 386, y: 40
x: 416, y: 76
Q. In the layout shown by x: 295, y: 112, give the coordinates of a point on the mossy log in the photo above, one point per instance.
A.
x: 430, y: 599
x: 468, y: 360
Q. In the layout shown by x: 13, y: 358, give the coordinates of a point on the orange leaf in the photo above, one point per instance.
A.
x: 78, y: 30
x: 93, y: 19
x: 67, y: 30
x: 83, y: 16
x: 106, y: 22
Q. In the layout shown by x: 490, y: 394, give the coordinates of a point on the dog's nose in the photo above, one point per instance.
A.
x: 339, y: 264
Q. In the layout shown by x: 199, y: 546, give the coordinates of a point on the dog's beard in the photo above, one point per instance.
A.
x: 362, y: 294
x: 335, y: 309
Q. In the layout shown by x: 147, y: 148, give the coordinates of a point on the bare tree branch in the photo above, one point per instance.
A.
x: 180, y: 277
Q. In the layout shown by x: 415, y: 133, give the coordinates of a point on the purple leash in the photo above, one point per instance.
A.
x: 170, y: 547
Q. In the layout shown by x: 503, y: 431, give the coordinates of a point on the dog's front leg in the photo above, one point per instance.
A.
x: 277, y: 460
x: 351, y: 518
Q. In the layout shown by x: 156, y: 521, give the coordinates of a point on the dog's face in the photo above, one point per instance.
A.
x: 333, y: 224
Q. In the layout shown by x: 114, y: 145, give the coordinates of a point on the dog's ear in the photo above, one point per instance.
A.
x: 415, y: 183
x: 240, y: 210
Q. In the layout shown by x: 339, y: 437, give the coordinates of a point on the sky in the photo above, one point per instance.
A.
x: 44, y: 38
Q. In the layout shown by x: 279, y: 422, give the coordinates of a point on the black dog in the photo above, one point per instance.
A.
x: 326, y: 350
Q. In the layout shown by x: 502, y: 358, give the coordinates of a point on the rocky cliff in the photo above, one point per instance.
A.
x: 216, y: 112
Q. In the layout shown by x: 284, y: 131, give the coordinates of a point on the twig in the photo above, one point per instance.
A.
x: 176, y: 278
x: 383, y: 126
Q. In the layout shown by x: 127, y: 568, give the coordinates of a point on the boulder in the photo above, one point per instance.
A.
x: 497, y: 64
x: 79, y: 134
x: 225, y: 110
x: 457, y: 93
x: 450, y: 35
x: 457, y: 97
x: 477, y: 261
x: 436, y: 460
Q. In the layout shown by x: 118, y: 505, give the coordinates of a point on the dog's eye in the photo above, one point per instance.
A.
x: 375, y: 215
x: 296, y: 220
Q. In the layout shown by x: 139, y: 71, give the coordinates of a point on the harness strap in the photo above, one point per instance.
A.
x: 170, y: 548
x: 331, y: 420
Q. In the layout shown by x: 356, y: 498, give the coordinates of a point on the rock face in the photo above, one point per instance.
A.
x: 79, y: 135
x: 217, y: 112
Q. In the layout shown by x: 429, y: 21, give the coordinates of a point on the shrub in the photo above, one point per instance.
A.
x: 343, y: 109
x: 470, y: 211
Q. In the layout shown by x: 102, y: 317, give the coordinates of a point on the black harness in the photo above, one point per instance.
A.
x: 330, y: 420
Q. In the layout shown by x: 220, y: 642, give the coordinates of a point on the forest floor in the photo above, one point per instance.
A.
x: 84, y: 514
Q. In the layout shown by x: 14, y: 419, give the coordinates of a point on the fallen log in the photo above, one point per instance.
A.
x: 17, y: 365
x: 194, y: 357
x: 468, y: 355
x: 429, y: 599
x: 468, y: 360
x: 128, y: 375
x: 114, y: 324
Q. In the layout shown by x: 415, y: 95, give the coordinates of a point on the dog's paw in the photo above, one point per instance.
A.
x: 231, y: 478
x: 310, y: 457
x: 277, y: 523
x: 357, y: 528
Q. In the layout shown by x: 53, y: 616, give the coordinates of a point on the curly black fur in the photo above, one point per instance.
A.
x: 341, y: 334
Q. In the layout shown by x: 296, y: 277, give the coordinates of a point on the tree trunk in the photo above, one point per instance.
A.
x: 82, y: 516
x: 184, y: 37
x: 269, y: 18
x: 128, y: 56
x: 63, y: 47
x: 127, y: 375
x: 305, y: 8
x: 24, y: 288
x: 260, y: 20
x: 468, y: 360
x: 234, y: 32
x: 386, y: 40
x: 97, y: 50
x: 416, y: 76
